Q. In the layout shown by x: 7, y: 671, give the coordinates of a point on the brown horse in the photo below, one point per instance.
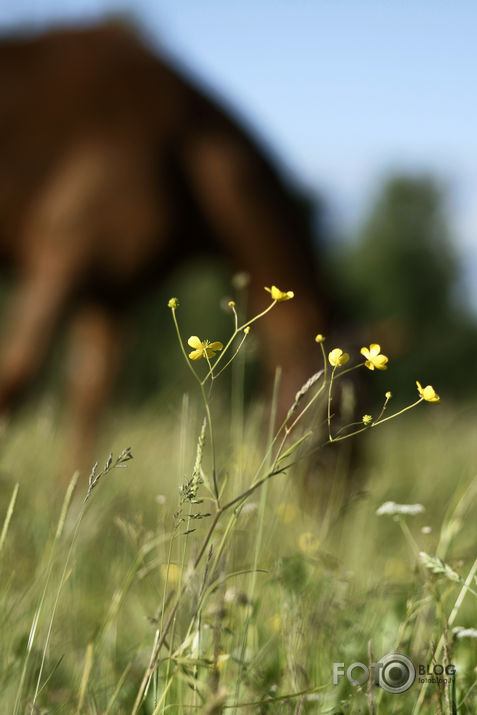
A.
x: 114, y: 167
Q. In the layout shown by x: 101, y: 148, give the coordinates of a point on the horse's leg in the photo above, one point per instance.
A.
x: 53, y: 250
x: 92, y: 369
x: 34, y: 311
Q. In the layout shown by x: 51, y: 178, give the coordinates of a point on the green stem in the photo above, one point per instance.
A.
x: 183, y: 348
x: 450, y: 623
x: 235, y: 333
x: 329, y: 404
x: 214, y: 377
x: 396, y: 414
x: 382, y: 409
x: 212, y: 444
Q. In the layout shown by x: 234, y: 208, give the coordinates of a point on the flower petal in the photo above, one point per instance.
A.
x: 365, y: 352
x: 380, y: 362
x: 215, y: 346
x: 374, y: 349
x: 194, y: 342
x: 334, y: 356
x: 337, y: 357
x: 196, y: 354
x: 429, y: 394
x: 280, y: 295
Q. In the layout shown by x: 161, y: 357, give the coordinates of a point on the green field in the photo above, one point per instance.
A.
x: 290, y: 580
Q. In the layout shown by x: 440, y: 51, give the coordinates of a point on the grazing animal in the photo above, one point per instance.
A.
x: 114, y: 167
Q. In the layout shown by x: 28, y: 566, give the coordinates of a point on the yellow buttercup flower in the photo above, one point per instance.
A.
x: 170, y: 573
x: 320, y: 338
x: 374, y: 358
x: 367, y: 420
x: 275, y: 622
x: 280, y: 295
x: 308, y: 542
x: 221, y: 660
x: 203, y: 348
x: 337, y: 357
x: 427, y: 393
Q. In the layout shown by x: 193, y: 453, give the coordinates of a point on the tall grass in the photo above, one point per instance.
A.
x: 201, y: 578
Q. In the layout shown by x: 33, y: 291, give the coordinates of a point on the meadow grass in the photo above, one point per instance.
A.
x: 192, y: 582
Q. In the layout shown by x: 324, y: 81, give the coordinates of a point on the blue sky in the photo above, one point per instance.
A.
x: 344, y: 91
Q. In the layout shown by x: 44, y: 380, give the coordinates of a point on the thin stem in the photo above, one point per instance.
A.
x: 329, y: 404
x: 332, y: 440
x: 153, y: 660
x: 257, y: 317
x: 212, y: 444
x: 348, y: 369
x: 383, y: 409
x: 235, y: 316
x: 391, y: 417
x: 259, y: 537
x: 450, y: 623
x: 189, y: 364
x: 235, y: 333
x: 409, y: 538
x: 325, y: 361
x: 307, y: 407
x: 232, y: 358
x: 154, y: 657
x: 206, y: 404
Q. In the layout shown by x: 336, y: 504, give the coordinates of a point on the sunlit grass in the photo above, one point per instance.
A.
x: 203, y: 575
x: 360, y: 582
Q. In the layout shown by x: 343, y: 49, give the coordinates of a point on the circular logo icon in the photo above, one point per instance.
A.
x: 396, y: 673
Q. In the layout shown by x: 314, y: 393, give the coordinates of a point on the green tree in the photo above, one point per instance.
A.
x: 401, y: 280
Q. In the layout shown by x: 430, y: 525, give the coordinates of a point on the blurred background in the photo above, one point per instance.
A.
x: 368, y: 107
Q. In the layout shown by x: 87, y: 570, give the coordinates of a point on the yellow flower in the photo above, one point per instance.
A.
x: 246, y: 330
x: 367, y: 419
x: 203, y: 348
x: 221, y: 660
x: 320, y: 338
x: 173, y: 303
x: 275, y: 622
x: 231, y: 304
x: 280, y: 295
x: 374, y: 359
x: 337, y: 357
x: 308, y: 542
x: 388, y: 395
x: 170, y: 573
x: 427, y: 393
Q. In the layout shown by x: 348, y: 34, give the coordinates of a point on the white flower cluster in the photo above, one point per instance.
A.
x: 392, y: 509
x: 465, y: 632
